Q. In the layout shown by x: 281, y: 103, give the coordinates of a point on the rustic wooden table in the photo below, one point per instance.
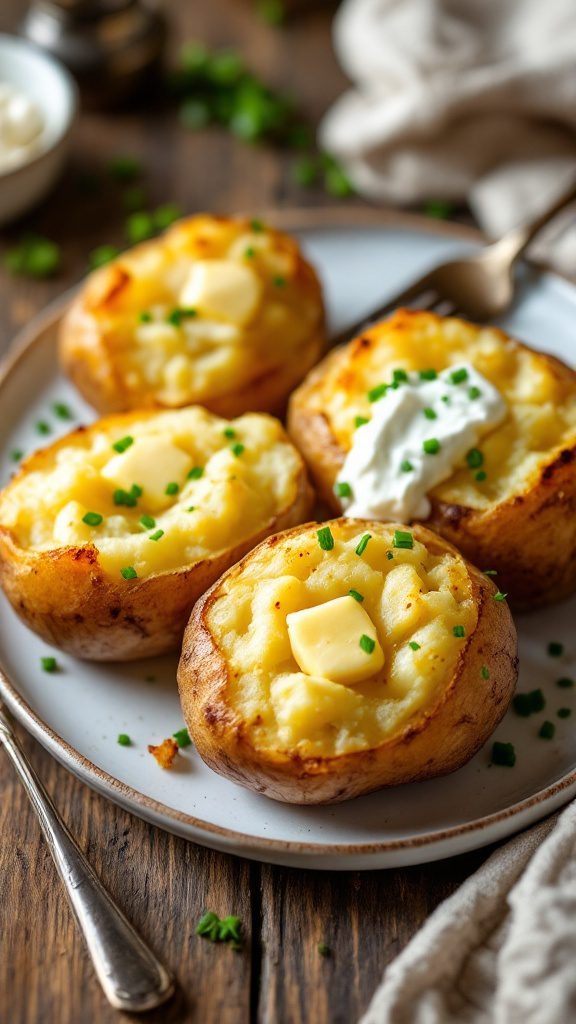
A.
x: 163, y: 883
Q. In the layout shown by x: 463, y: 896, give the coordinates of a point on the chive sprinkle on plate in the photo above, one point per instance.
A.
x: 325, y: 538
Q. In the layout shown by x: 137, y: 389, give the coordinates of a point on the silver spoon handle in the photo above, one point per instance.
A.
x: 514, y: 242
x: 131, y: 976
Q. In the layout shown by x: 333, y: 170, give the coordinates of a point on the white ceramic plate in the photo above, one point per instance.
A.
x: 78, y: 712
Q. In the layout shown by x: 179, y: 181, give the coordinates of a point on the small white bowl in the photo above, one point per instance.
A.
x: 46, y: 82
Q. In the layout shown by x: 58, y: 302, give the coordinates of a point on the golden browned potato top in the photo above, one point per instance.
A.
x: 154, y: 491
x: 540, y: 393
x: 334, y: 639
x: 214, y: 299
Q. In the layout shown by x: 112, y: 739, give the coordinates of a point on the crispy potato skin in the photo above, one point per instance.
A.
x: 65, y: 596
x: 530, y: 539
x: 440, y: 740
x: 88, y: 359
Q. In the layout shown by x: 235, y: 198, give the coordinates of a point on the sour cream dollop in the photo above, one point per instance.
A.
x: 388, y: 468
x: 21, y: 128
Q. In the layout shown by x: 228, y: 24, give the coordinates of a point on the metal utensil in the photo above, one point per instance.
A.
x: 131, y: 976
x: 479, y: 286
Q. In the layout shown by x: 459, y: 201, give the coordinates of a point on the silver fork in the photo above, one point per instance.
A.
x: 479, y: 287
x: 131, y: 976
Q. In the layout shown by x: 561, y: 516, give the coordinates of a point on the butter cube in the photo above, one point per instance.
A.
x: 336, y: 640
x: 152, y: 463
x: 223, y: 289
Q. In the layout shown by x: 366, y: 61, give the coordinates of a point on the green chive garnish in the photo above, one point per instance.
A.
x: 399, y: 376
x: 375, y: 394
x: 474, y: 392
x: 128, y: 498
x: 431, y: 446
x: 129, y: 572
x: 403, y: 539
x: 490, y: 572
x: 503, y: 754
x: 43, y: 428
x: 555, y: 650
x: 458, y: 376
x: 459, y: 631
x: 485, y: 672
x: 62, y: 411
x: 367, y: 643
x: 192, y: 508
x: 196, y: 472
x: 148, y: 522
x: 323, y: 949
x: 237, y: 449
x: 49, y: 664
x: 145, y: 316
x: 547, y: 730
x: 430, y: 414
x: 342, y: 490
x: 565, y: 683
x: 156, y: 535
x: 229, y: 432
x: 124, y: 443
x: 406, y: 466
x: 499, y: 596
x: 256, y: 226
x: 125, y: 168
x: 480, y: 475
x: 389, y: 555
x: 427, y: 374
x: 325, y: 538
x: 279, y: 282
x: 564, y: 712
x: 182, y: 738
x: 363, y: 543
x: 474, y: 458
x: 360, y: 421
x: 356, y: 595
x: 526, y: 704
x: 16, y: 454
x: 176, y: 316
x: 172, y: 488
x: 92, y: 519
x: 250, y: 252
x: 413, y: 645
x: 124, y: 739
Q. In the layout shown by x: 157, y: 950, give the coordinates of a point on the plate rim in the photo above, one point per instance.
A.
x: 108, y: 785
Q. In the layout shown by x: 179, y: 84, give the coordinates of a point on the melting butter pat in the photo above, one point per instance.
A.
x: 326, y: 641
x: 223, y: 289
x: 152, y: 463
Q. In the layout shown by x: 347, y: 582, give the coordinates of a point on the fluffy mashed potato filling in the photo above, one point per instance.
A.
x: 154, y: 493
x: 540, y: 396
x: 419, y: 605
x: 206, y: 303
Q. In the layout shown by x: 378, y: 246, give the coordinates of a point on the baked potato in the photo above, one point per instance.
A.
x: 108, y: 536
x: 217, y: 311
x: 517, y: 513
x: 335, y: 659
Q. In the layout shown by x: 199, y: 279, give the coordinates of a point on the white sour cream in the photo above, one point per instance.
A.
x: 21, y: 128
x: 377, y: 465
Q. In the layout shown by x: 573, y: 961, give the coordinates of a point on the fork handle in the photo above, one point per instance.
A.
x: 131, y: 976
x: 514, y: 242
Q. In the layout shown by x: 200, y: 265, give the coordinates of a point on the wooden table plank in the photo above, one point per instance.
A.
x: 163, y: 883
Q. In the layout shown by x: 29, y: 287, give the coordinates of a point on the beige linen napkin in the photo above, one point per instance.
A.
x: 502, y: 949
x: 460, y: 99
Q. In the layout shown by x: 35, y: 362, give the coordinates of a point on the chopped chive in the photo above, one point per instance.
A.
x: 446, y: 399
x: 172, y: 488
x: 43, y: 428
x: 229, y: 432
x: 16, y: 454
x: 62, y: 411
x: 237, y: 449
x: 503, y: 754
x: 250, y: 252
x: 547, y: 730
x: 555, y: 650
x: 526, y: 704
x: 279, y: 282
x: 256, y: 226
x: 389, y: 555
x: 490, y: 572
x: 474, y: 458
x: 124, y: 739
x: 406, y: 466
x: 342, y: 489
x: 565, y: 683
x: 356, y: 595
x: 102, y: 255
x: 148, y: 522
x: 431, y: 446
x: 49, y: 664
x: 136, y: 491
x: 403, y: 539
x: 427, y: 374
x: 325, y: 538
x: 485, y: 672
x: 499, y: 596
x: 145, y: 316
x: 92, y: 519
x: 125, y: 168
x: 459, y: 631
x: 399, y: 376
x: 196, y: 472
x: 128, y: 498
x: 430, y: 414
x: 165, y: 215
x: 363, y: 543
x: 134, y: 199
x: 458, y: 376
x: 191, y: 508
x: 564, y: 712
x: 323, y: 949
x: 360, y: 421
x: 176, y: 316
x: 367, y: 643
x: 414, y: 645
x: 129, y: 572
x: 480, y: 475
x: 182, y: 738
x: 378, y: 392
x: 124, y: 443
x: 474, y: 392
x: 156, y: 535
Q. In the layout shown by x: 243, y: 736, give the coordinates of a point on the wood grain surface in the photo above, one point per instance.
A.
x: 163, y: 883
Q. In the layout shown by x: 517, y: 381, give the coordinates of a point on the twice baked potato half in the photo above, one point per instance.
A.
x: 509, y: 502
x: 218, y: 311
x: 338, y: 658
x: 109, y: 536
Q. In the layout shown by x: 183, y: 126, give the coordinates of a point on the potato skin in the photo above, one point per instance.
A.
x: 440, y: 740
x: 87, y: 356
x: 66, y: 597
x: 530, y: 539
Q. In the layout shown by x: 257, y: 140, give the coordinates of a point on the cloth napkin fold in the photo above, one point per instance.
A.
x: 502, y: 948
x: 460, y: 99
